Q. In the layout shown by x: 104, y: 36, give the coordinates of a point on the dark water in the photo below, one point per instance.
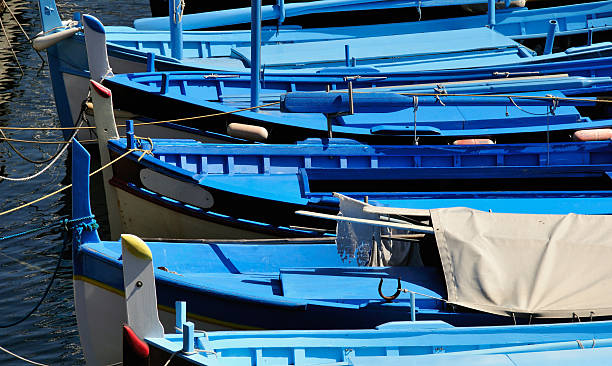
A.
x: 50, y: 335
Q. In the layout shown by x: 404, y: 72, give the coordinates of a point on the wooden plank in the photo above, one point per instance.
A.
x: 393, y: 225
x: 397, y: 211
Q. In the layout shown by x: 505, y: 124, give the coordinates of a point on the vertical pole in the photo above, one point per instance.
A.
x: 255, y: 51
x: 590, y: 37
x: 550, y: 37
x: 188, y: 340
x: 347, y: 55
x: 129, y: 133
x: 329, y: 116
x: 165, y: 83
x: 412, y: 307
x: 491, y: 14
x: 281, y: 11
x: 175, y: 15
x: 150, y: 62
x: 350, y: 91
x: 181, y: 315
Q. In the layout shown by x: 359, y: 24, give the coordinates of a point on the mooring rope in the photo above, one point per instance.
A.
x: 70, y: 185
x: 68, y: 226
x: 51, y: 161
x: 435, y: 95
x: 21, y: 357
x: 67, y: 239
x: 135, y: 124
x: 10, y: 46
x: 21, y: 28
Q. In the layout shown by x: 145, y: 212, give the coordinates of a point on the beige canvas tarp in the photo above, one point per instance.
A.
x: 547, y: 265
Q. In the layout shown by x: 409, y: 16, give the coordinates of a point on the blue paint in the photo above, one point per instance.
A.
x: 80, y: 190
x: 255, y: 51
x: 270, y: 12
x: 122, y: 44
x: 150, y: 62
x: 412, y: 307
x: 491, y: 14
x: 324, y: 102
x: 473, y: 116
x: 347, y: 55
x: 176, y: 28
x: 188, y: 340
x: 285, y: 178
x: 181, y: 315
x: 280, y: 4
x: 129, y: 132
x: 94, y: 24
x: 553, y: 28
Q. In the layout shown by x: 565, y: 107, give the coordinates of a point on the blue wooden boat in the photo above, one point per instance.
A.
x: 280, y: 12
x: 445, y: 112
x: 351, y: 13
x: 223, y: 184
x: 128, y: 48
x: 561, y: 353
x: 306, y: 284
x: 395, y: 343
x: 197, y: 184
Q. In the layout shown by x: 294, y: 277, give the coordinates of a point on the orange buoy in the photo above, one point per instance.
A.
x: 473, y: 142
x: 599, y: 134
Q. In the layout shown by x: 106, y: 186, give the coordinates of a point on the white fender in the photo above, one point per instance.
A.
x: 95, y: 42
x: 139, y: 283
x: 43, y: 42
x: 247, y: 132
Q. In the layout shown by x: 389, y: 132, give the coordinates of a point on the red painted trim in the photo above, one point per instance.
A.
x: 100, y: 89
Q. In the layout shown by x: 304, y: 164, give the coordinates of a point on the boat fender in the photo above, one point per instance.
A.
x: 473, y: 142
x: 599, y: 134
x: 43, y: 42
x: 89, y: 108
x: 247, y: 132
x: 135, y: 350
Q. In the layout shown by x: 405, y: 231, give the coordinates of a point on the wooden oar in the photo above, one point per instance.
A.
x: 381, y: 223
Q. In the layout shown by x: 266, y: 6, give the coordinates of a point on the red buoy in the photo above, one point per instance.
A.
x: 135, y: 350
x: 598, y: 134
x: 473, y: 142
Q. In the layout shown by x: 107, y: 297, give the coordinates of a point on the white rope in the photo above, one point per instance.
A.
x: 21, y: 358
x: 171, y: 357
x: 24, y: 179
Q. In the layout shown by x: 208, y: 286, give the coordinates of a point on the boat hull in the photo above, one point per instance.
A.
x: 68, y: 62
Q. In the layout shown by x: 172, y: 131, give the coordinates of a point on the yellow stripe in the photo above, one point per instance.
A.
x: 168, y: 309
x: 99, y: 284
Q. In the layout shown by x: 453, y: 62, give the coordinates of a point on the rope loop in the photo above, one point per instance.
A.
x: 554, y: 103
x: 179, y: 9
x: 440, y: 89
